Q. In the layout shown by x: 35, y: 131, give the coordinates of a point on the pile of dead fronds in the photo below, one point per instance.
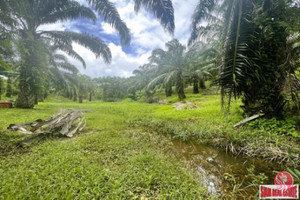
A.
x: 65, y: 123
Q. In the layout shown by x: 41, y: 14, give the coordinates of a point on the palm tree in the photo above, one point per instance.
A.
x: 6, y: 23
x: 142, y: 76
x: 199, y: 72
x: 171, y: 64
x: 202, y: 13
x: 159, y: 61
x: 9, y: 87
x: 253, y: 49
x: 201, y: 66
x: 29, y: 15
x: 1, y: 86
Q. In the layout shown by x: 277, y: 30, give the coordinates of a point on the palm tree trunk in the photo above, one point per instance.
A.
x: 8, y: 88
x: 202, y: 84
x: 80, y: 98
x: 1, y: 84
x: 67, y: 93
x: 90, y: 97
x: 45, y: 95
x: 74, y: 94
x: 36, y: 99
x: 195, y: 86
x: 104, y: 94
x: 180, y: 85
x: 26, y: 95
x: 70, y: 93
x: 42, y: 99
x: 168, y: 90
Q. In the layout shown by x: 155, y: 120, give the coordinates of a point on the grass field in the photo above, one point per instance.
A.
x: 125, y: 151
x: 104, y: 162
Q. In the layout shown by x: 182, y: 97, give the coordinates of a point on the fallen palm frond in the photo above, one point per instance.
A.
x: 65, y: 123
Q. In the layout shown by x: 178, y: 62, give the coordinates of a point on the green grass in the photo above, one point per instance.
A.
x: 104, y: 162
x: 107, y: 162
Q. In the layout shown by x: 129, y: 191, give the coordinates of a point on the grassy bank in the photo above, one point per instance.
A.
x: 270, y: 139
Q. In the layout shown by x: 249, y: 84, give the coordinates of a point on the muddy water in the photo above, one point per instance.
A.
x: 216, y: 169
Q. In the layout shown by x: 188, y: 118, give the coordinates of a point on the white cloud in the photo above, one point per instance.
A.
x: 60, y: 26
x: 83, y: 2
x: 122, y: 64
x: 108, y: 28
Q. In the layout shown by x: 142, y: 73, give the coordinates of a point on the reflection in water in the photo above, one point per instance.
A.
x: 213, y: 165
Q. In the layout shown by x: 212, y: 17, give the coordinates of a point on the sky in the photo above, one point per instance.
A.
x: 146, y: 35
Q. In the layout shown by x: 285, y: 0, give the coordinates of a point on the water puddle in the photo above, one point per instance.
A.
x: 224, y: 174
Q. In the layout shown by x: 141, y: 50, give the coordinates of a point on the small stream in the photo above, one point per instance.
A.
x: 216, y: 169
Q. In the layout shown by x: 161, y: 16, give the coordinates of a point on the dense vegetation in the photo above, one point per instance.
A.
x: 242, y: 59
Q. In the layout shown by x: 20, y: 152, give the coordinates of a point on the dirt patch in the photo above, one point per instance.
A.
x: 185, y: 105
x: 163, y: 101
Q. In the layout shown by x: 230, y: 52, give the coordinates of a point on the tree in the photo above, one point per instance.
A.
x: 254, y: 49
x: 1, y: 87
x: 139, y: 81
x: 6, y: 24
x: 9, y: 87
x: 29, y: 15
x: 113, y: 88
x: 171, y: 65
x: 159, y: 60
x: 202, y: 66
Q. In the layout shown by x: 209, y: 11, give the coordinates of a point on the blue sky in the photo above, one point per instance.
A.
x: 146, y: 35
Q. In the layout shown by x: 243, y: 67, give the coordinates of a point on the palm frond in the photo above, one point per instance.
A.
x: 201, y: 74
x: 5, y: 66
x: 203, y: 64
x: 204, y: 34
x: 157, y: 55
x: 60, y: 57
x: 158, y: 80
x: 237, y: 64
x: 58, y: 77
x: 69, y: 50
x: 170, y: 77
x: 97, y: 46
x: 137, y: 72
x: 202, y: 10
x: 72, y: 10
x: 5, y: 18
x: 110, y: 14
x: 68, y: 67
x: 162, y: 9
